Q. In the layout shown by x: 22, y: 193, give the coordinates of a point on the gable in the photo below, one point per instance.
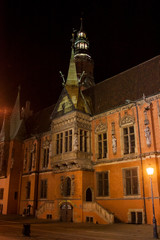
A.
x: 64, y: 105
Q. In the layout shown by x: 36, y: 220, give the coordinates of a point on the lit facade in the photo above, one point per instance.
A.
x: 84, y: 159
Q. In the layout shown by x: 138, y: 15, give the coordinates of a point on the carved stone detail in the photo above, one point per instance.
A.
x: 127, y: 119
x: 101, y: 128
x: 114, y: 144
x: 148, y: 136
x: 146, y: 121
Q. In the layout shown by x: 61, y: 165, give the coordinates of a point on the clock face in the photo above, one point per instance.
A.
x: 65, y: 105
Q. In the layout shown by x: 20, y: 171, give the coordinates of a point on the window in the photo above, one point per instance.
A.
x: 1, y: 193
x: 43, y: 192
x: 83, y: 141
x: 136, y: 217
x: 59, y: 147
x: 102, y: 145
x: 102, y: 184
x: 64, y: 139
x: 67, y: 187
x: 45, y: 157
x: 28, y: 190
x: 15, y: 195
x: 129, y: 140
x: 30, y: 162
x: 68, y: 141
x: 131, y: 181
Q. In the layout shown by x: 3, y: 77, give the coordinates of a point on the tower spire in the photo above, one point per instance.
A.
x: 72, y: 73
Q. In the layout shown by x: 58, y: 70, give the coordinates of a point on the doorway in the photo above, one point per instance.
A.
x: 88, y: 195
x: 66, y: 212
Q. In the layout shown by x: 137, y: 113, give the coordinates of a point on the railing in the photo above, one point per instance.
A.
x: 48, y: 205
x: 101, y: 211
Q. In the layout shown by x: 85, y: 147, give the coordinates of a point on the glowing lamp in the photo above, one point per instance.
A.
x: 150, y: 171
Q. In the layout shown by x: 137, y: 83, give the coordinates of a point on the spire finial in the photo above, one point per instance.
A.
x: 19, y: 88
x: 81, y: 27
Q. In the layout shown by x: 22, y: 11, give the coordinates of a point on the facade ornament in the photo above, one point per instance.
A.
x: 101, y: 128
x: 146, y: 121
x: 113, y: 128
x: 75, y: 142
x: 114, y: 144
x: 127, y: 119
x: 33, y: 151
x: 148, y: 136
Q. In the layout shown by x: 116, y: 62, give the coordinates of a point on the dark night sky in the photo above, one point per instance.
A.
x: 35, y: 43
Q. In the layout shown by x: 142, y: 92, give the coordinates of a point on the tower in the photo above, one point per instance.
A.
x: 83, y: 60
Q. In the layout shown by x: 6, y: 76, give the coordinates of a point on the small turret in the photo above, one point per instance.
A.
x: 81, y: 43
x: 83, y: 60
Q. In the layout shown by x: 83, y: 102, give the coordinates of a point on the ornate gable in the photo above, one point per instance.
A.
x: 64, y: 105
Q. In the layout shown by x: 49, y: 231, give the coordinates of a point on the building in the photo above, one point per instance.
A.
x: 84, y: 158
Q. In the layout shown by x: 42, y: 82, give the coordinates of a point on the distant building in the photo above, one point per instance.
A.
x: 84, y: 158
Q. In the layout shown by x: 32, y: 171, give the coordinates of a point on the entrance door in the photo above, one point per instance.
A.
x: 66, y: 212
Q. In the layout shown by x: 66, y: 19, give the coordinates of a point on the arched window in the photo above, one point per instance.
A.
x: 67, y: 187
x: 88, y: 195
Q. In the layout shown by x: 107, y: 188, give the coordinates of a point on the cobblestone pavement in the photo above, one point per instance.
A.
x: 47, y: 230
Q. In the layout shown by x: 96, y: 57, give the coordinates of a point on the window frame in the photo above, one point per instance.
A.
x: 102, y: 145
x: 45, y: 162
x: 103, y: 183
x: 64, y: 141
x: 132, y: 182
x: 43, y: 189
x: 83, y: 140
x: 128, y: 135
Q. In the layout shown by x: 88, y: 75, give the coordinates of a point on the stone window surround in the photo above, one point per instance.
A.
x: 103, y: 197
x: 124, y: 183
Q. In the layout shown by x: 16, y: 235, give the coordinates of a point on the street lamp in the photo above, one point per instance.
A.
x: 150, y: 172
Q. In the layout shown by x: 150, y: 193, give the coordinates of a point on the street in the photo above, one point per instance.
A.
x: 65, y: 231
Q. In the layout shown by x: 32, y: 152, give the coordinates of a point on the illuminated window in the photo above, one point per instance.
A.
x: 81, y: 45
x: 102, y: 145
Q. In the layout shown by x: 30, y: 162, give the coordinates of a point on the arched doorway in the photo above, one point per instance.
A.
x: 88, y: 195
x: 66, y: 212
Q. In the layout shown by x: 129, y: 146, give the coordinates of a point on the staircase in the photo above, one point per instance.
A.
x: 47, y: 206
x: 96, y: 208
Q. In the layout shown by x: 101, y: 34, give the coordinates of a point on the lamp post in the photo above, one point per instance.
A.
x: 150, y: 172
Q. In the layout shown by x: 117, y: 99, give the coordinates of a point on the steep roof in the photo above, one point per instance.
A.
x: 130, y: 84
x: 39, y: 122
